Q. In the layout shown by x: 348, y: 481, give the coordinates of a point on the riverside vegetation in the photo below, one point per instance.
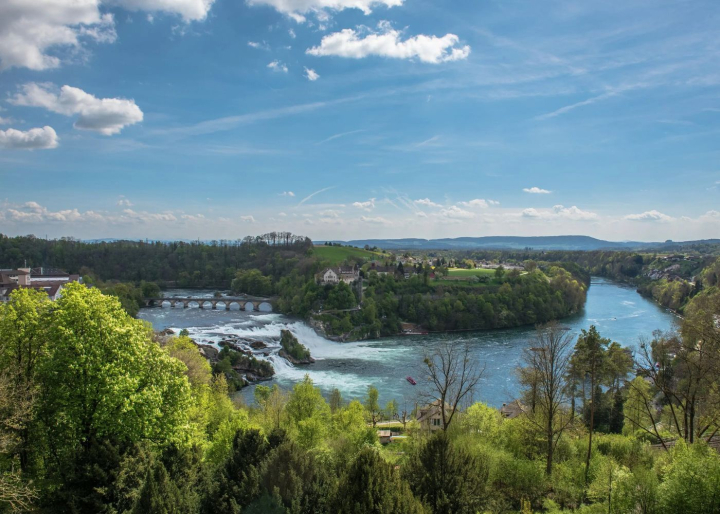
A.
x: 99, y: 415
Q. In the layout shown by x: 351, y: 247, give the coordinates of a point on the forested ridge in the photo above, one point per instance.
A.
x: 99, y: 415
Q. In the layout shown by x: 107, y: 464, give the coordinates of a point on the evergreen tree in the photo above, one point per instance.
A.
x: 446, y: 478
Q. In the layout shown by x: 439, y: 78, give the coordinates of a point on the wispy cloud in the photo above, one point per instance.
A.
x: 337, y: 136
x: 308, y: 197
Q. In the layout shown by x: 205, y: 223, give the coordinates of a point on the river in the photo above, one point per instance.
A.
x: 617, y: 311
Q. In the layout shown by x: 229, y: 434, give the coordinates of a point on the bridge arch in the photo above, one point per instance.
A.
x: 264, y: 307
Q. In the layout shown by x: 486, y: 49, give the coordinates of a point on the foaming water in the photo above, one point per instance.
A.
x: 617, y: 311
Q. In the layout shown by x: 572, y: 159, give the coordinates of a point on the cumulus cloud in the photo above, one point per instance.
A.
x: 426, y: 202
x: 278, y: 66
x: 28, y: 29
x: 311, y: 74
x: 560, y: 212
x: 33, y: 139
x: 287, y: 193
x: 479, y: 202
x: 536, y: 190
x: 457, y: 213
x: 366, y: 206
x: 33, y: 212
x: 105, y: 115
x: 291, y: 32
x: 652, y: 215
x: 5, y: 121
x: 40, y: 34
x: 298, y: 9
x: 247, y: 219
x: 124, y: 202
x: 386, y: 42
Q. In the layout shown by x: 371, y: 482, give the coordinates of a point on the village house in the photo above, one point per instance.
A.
x: 333, y: 276
x: 43, y: 279
x: 430, y: 416
x: 381, y: 270
x: 512, y: 410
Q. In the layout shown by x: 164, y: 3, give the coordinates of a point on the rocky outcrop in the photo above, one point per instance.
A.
x: 293, y: 350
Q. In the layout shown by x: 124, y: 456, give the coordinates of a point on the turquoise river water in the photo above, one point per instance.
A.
x: 618, y: 312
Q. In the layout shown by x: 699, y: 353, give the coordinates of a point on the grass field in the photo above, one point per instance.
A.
x: 477, y: 272
x: 337, y: 254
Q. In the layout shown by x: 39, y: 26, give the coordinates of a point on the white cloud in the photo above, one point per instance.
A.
x: 426, y: 202
x: 386, y: 43
x: 145, y: 217
x: 287, y: 193
x: 311, y: 74
x: 33, y: 139
x: 33, y: 212
x: 292, y: 33
x: 479, y: 202
x: 247, y: 219
x: 5, y: 121
x: 652, y: 215
x: 41, y: 34
x: 29, y: 28
x: 330, y: 213
x: 278, y: 66
x: 124, y: 202
x: 282, y: 214
x: 536, y: 190
x: 455, y: 212
x: 560, y: 212
x: 298, y: 9
x: 376, y: 221
x: 259, y: 46
x: 366, y: 206
x: 105, y: 115
x: 189, y: 10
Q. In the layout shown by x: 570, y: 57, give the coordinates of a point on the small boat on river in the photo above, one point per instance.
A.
x: 411, y: 380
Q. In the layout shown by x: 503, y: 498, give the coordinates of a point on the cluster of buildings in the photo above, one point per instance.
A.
x: 43, y: 279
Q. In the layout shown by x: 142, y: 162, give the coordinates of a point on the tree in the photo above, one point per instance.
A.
x: 446, y: 478
x: 335, y: 400
x: 369, y: 485
x: 391, y: 409
x: 238, y: 482
x: 23, y: 344
x: 546, y: 363
x: 452, y: 374
x: 499, y: 272
x: 103, y: 378
x: 372, y: 406
x: 309, y: 412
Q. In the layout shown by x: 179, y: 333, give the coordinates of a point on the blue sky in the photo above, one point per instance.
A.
x: 343, y: 119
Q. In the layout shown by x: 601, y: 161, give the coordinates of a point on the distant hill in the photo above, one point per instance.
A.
x: 517, y: 243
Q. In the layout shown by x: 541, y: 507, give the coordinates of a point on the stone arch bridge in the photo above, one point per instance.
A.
x: 246, y: 304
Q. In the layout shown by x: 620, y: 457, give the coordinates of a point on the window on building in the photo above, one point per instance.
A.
x: 436, y: 422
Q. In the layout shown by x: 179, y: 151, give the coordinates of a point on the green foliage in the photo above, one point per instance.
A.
x: 371, y: 485
x: 252, y: 282
x: 293, y: 347
x: 692, y: 481
x: 446, y: 478
x: 102, y: 379
x: 309, y: 413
